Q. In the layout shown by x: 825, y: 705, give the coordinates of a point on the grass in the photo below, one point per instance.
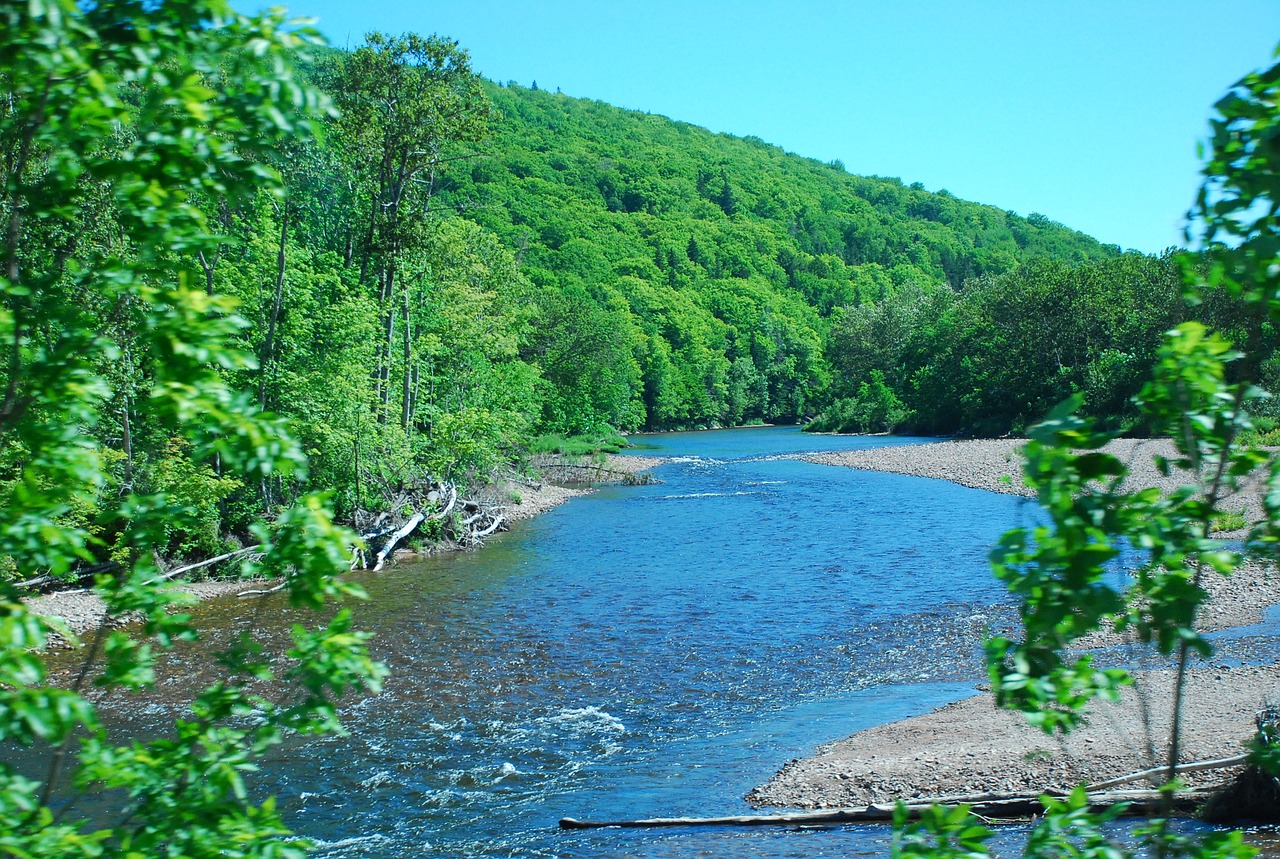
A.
x: 578, y: 445
x: 1227, y: 521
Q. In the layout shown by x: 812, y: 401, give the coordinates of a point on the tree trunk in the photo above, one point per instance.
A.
x: 128, y: 446
x: 268, y: 343
x: 406, y: 334
x: 209, y: 266
x: 386, y: 296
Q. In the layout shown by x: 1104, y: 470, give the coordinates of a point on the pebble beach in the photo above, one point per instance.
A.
x: 971, y: 747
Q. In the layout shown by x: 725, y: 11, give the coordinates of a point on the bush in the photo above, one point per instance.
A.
x: 875, y: 408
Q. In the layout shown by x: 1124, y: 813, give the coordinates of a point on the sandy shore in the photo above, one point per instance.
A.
x: 996, y: 465
x: 81, y: 610
x: 971, y: 747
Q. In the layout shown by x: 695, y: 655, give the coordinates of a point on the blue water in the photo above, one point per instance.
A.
x: 652, y: 651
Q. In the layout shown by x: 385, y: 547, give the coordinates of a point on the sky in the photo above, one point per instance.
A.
x: 1086, y: 112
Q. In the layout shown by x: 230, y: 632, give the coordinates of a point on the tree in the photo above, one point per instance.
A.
x: 410, y: 105
x: 119, y: 117
x: 1200, y: 395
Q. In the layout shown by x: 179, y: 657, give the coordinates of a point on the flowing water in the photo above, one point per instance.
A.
x: 650, y: 651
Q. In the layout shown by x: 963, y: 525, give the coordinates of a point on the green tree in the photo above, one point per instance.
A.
x: 1200, y: 395
x: 409, y: 105
x: 119, y: 118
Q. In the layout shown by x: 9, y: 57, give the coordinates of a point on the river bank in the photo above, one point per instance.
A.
x: 81, y: 610
x: 971, y: 747
x: 996, y: 466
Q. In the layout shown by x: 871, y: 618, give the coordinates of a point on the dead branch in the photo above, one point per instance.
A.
x: 493, y: 526
x: 258, y: 591
x: 448, y: 508
x: 174, y: 573
x: 1161, y: 772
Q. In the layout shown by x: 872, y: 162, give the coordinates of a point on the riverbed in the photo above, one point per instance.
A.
x: 645, y: 651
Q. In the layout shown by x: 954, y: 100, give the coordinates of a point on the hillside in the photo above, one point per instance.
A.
x: 422, y: 282
x: 698, y: 271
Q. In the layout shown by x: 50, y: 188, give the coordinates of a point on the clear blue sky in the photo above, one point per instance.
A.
x: 1088, y: 112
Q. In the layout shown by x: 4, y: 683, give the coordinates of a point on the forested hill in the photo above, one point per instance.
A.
x: 686, y: 278
x: 425, y: 278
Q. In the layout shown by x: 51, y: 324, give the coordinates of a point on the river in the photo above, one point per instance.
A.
x: 650, y: 651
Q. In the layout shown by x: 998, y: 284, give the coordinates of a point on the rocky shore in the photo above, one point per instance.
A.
x: 971, y: 747
x: 996, y: 466
x: 81, y: 610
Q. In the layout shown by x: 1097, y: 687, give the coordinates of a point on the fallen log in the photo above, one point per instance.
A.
x: 493, y: 526
x: 448, y: 508
x: 259, y: 591
x: 992, y: 807
x: 394, y: 540
x: 465, y: 521
x: 475, y: 538
x: 174, y: 573
x: 78, y: 574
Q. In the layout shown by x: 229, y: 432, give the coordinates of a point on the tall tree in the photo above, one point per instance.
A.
x: 410, y: 105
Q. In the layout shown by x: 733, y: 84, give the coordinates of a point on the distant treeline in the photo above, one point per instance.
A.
x: 688, y: 279
x: 995, y: 356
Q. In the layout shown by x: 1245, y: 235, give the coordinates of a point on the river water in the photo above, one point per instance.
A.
x: 650, y: 651
x: 653, y: 651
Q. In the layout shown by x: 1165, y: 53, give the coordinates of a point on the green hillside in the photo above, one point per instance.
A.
x: 436, y: 271
x: 698, y: 271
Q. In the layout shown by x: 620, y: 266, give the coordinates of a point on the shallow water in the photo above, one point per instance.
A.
x: 649, y: 651
x: 653, y: 651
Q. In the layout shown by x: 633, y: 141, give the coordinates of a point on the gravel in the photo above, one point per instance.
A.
x: 996, y: 466
x: 971, y: 747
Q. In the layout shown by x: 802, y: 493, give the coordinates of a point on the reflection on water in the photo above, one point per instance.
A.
x: 647, y: 651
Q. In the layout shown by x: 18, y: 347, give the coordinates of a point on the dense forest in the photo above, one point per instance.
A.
x: 705, y: 268
x: 450, y: 268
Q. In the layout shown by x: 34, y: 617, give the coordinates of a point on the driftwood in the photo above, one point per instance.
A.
x: 992, y: 807
x: 403, y: 531
x: 425, y: 502
x: 174, y: 573
x: 78, y: 574
x: 112, y: 566
x: 1159, y: 772
x: 259, y: 591
x: 474, y: 536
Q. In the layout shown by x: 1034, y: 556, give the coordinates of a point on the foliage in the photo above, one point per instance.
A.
x: 996, y: 356
x: 1067, y: 830
x: 875, y: 408
x: 1228, y: 520
x: 699, y: 271
x: 941, y: 832
x: 1201, y: 395
x: 194, y: 492
x: 121, y: 120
